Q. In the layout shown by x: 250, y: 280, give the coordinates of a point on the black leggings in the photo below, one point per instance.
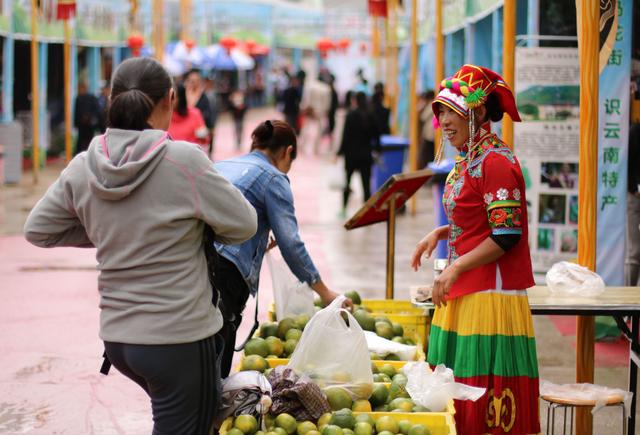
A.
x: 182, y: 381
x: 365, y: 174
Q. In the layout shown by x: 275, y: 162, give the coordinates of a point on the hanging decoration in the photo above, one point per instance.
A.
x: 135, y: 43
x: 325, y: 45
x: 378, y: 8
x: 189, y: 43
x: 66, y: 9
x: 343, y: 44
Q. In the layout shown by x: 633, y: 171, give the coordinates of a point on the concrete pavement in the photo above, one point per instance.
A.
x: 49, y: 347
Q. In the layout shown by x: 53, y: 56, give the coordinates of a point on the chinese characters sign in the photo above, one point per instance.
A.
x: 613, y: 126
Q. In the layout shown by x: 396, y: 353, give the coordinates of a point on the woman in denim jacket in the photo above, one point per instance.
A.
x: 261, y: 177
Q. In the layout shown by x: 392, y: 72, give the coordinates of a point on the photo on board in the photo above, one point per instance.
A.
x: 546, y: 239
x: 559, y: 175
x: 551, y: 208
x: 569, y: 241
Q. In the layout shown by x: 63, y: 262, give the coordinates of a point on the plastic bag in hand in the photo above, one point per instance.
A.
x: 566, y: 278
x: 291, y: 296
x: 433, y: 389
x: 333, y: 351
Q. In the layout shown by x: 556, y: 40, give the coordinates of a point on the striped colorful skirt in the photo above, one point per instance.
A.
x: 487, y: 339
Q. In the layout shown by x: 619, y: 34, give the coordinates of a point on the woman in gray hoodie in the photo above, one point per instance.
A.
x: 143, y: 200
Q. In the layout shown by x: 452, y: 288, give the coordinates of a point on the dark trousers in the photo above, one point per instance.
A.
x: 292, y: 120
x: 365, y: 175
x: 182, y: 381
x: 234, y: 293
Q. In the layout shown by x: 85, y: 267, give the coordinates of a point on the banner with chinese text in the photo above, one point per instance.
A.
x: 613, y: 133
x: 546, y: 143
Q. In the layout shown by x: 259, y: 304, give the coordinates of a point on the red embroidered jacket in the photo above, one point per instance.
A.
x: 485, y: 194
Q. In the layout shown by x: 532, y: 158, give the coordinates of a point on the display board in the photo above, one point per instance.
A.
x: 546, y: 143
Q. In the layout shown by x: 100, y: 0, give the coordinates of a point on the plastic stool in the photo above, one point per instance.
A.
x: 556, y: 402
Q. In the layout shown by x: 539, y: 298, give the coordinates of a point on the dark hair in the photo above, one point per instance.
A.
x: 377, y: 99
x: 347, y: 99
x: 494, y: 111
x: 378, y: 87
x: 181, y: 95
x: 274, y: 135
x: 361, y: 101
x: 137, y: 85
x: 428, y: 94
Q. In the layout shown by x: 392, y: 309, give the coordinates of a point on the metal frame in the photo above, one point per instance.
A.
x: 551, y: 417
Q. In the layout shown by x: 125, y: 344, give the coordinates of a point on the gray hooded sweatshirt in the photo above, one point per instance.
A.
x: 142, y: 200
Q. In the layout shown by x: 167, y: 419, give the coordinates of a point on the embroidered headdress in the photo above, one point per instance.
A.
x: 470, y: 87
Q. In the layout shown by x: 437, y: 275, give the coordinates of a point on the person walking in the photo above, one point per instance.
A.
x: 238, y: 108
x: 87, y: 117
x: 315, y: 105
x: 187, y: 123
x: 360, y: 138
x: 482, y: 327
x: 426, y: 153
x: 143, y: 201
x: 291, y: 104
x: 197, y: 97
x: 261, y: 176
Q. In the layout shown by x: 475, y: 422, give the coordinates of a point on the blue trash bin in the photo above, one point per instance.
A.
x: 437, y: 188
x: 392, y: 158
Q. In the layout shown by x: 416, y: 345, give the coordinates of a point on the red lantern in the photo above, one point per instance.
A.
x: 259, y: 50
x: 189, y: 43
x: 228, y: 43
x: 378, y: 8
x: 135, y: 42
x: 343, y: 44
x: 324, y: 45
x: 66, y: 9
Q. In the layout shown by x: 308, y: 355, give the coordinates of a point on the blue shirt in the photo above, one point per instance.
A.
x: 269, y: 191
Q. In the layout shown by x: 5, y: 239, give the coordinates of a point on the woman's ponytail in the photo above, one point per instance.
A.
x: 138, y: 84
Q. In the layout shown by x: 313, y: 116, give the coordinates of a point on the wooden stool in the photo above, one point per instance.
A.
x: 565, y: 402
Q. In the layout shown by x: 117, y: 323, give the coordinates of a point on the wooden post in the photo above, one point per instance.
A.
x: 185, y: 19
x: 391, y: 246
x: 439, y: 73
x: 375, y: 46
x: 35, y: 94
x: 67, y: 92
x: 158, y: 28
x: 508, y: 61
x: 588, y: 44
x: 413, y: 99
x: 392, y: 46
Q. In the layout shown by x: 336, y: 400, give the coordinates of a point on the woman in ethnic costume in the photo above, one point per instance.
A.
x: 482, y: 327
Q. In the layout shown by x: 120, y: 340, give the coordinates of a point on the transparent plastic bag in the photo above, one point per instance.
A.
x: 291, y: 296
x: 245, y: 392
x: 588, y: 392
x: 333, y: 351
x: 434, y: 389
x: 384, y: 347
x: 571, y: 279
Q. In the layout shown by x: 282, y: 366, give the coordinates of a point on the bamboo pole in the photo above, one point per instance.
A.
x: 35, y: 94
x: 158, y: 29
x: 375, y: 46
x: 508, y: 59
x: 67, y: 92
x: 392, y: 46
x: 588, y: 43
x: 413, y: 98
x: 439, y: 73
x: 185, y: 19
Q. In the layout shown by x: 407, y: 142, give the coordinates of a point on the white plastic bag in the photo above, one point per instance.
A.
x: 597, y: 393
x: 384, y: 347
x: 433, y: 389
x: 566, y: 278
x: 291, y: 296
x: 334, y: 353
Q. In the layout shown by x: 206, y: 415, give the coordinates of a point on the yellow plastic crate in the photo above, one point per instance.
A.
x: 414, y: 321
x: 439, y: 423
x: 392, y: 306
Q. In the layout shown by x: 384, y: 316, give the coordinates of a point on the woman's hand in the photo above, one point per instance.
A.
x: 426, y: 245
x: 327, y: 296
x: 442, y: 284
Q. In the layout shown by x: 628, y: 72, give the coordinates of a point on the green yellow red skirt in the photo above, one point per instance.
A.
x: 487, y: 339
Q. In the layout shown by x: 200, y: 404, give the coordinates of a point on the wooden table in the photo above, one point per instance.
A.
x: 618, y: 302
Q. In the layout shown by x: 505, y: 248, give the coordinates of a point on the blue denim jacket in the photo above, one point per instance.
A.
x: 269, y: 191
